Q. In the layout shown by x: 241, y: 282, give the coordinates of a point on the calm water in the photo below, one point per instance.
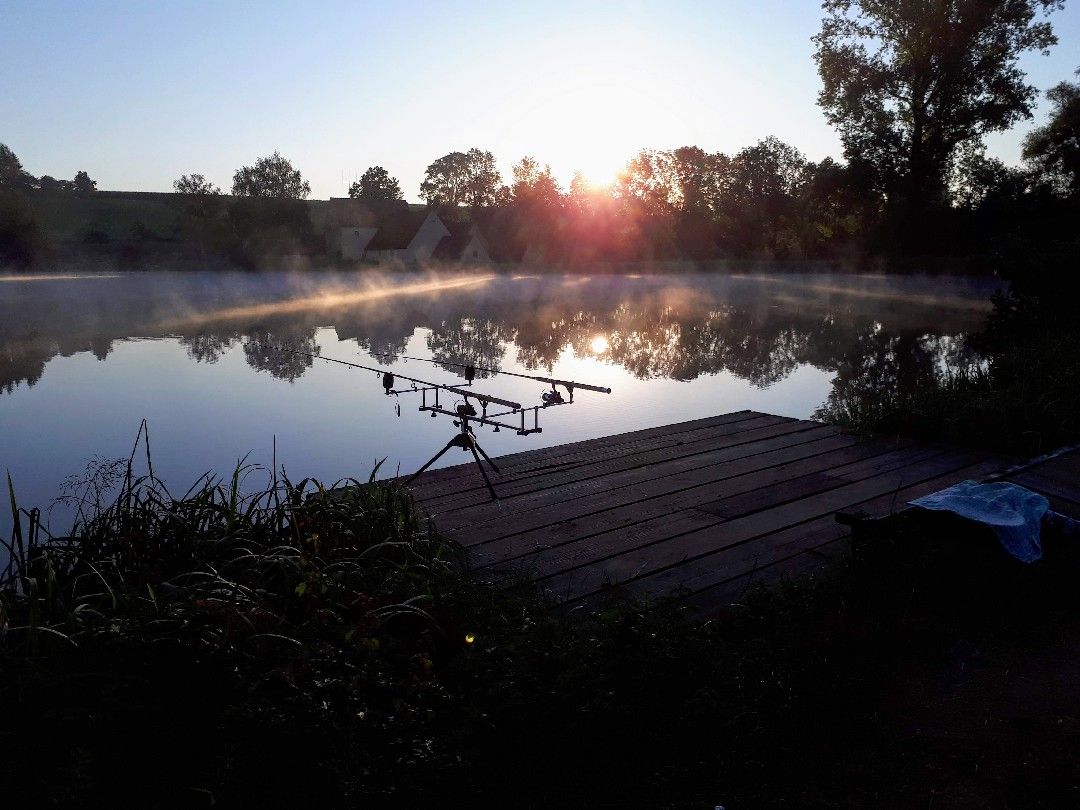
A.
x: 84, y: 359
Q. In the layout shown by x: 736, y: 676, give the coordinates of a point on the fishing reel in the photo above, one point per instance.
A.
x: 552, y: 397
x: 465, y: 410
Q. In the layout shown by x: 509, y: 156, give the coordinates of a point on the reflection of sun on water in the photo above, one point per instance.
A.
x: 598, y: 344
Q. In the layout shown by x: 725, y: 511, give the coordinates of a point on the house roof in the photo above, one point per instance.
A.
x: 345, y: 212
x: 451, y: 247
x: 397, y: 229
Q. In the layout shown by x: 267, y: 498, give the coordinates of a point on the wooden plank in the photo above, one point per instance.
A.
x: 586, y: 471
x: 1044, y: 484
x: 561, y: 548
x: 729, y: 563
x: 583, y: 567
x: 554, y: 455
x: 427, y: 494
x: 633, y: 510
x: 1064, y: 468
x: 581, y: 497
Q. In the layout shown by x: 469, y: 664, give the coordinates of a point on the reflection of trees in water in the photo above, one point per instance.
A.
x: 23, y: 362
x: 681, y: 328
x: 208, y: 347
x: 884, y: 370
x: 470, y: 341
x: 262, y: 348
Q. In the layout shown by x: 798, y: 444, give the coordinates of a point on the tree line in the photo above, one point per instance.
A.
x: 912, y: 88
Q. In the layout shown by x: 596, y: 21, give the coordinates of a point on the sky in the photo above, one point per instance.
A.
x: 137, y: 94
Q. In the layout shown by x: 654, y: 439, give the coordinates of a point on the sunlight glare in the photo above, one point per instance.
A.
x: 599, y: 344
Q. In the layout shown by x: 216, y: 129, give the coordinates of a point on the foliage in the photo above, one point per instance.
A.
x: 82, y: 183
x: 376, y: 184
x: 1054, y: 148
x: 462, y: 178
x: 49, y: 184
x: 195, y: 185
x: 534, y: 187
x: 271, y: 176
x: 906, y: 83
x: 12, y: 175
x: 301, y: 646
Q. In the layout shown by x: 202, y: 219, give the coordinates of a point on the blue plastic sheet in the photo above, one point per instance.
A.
x: 1014, y: 513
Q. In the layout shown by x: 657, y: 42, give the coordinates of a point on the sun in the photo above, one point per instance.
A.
x: 598, y: 344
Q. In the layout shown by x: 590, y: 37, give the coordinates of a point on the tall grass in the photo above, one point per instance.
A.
x: 236, y: 564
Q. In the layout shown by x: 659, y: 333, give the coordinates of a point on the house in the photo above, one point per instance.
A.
x: 379, y: 231
x: 407, y: 236
x: 464, y: 244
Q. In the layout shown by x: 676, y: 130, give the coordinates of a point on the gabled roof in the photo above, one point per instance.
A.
x: 451, y: 247
x: 397, y: 229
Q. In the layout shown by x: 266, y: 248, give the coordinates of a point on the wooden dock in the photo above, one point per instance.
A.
x: 710, y: 506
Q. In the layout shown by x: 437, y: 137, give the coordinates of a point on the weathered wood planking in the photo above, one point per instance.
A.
x: 707, y: 507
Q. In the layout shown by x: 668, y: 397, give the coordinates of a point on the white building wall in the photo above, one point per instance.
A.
x: 427, y: 238
x: 354, y: 242
x: 475, y: 251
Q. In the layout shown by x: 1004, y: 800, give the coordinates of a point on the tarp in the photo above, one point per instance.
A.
x: 1014, y: 513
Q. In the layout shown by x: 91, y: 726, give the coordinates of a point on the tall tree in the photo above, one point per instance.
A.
x: 534, y: 186
x: 649, y: 181
x: 462, y: 178
x: 1054, y: 148
x: 83, y: 184
x: 907, y: 81
x: 764, y: 181
x: 272, y: 176
x: 376, y: 184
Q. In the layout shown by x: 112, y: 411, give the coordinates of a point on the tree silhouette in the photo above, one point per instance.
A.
x: 376, y: 184
x: 83, y: 184
x: 462, y: 178
x: 907, y: 82
x: 272, y: 176
x: 12, y: 175
x: 1054, y: 148
x: 195, y: 185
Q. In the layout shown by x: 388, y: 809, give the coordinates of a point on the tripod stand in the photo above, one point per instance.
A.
x: 466, y: 440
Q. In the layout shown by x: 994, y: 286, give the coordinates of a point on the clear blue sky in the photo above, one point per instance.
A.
x: 138, y: 93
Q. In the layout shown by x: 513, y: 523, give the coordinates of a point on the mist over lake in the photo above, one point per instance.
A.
x: 83, y: 359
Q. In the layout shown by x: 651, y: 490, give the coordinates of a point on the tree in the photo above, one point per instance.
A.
x: 462, y: 178
x: 907, y: 81
x: 376, y: 184
x: 535, y: 187
x: 195, y: 185
x: 272, y: 176
x: 974, y: 178
x: 649, y: 181
x: 83, y: 184
x: 761, y: 198
x: 12, y: 176
x: 1054, y: 148
x: 48, y: 183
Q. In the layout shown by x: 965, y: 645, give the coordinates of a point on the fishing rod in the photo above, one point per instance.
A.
x: 389, y: 379
x: 471, y: 369
x: 464, y: 413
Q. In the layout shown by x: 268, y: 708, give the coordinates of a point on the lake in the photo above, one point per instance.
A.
x: 84, y: 358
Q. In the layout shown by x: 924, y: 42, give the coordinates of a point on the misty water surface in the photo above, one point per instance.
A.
x: 84, y: 359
